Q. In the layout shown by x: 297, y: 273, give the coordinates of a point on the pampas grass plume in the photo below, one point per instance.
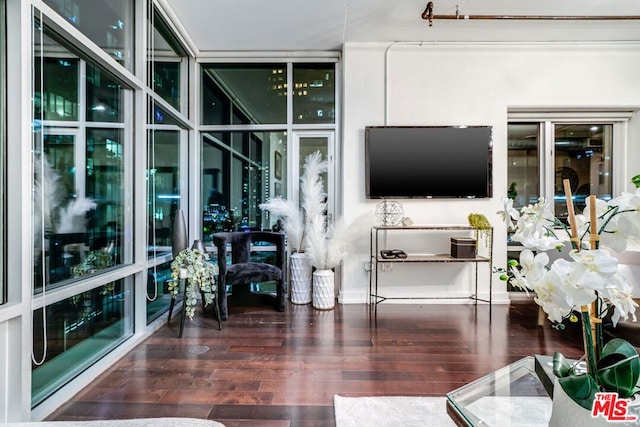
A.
x: 293, y: 224
x: 312, y: 195
x: 72, y: 216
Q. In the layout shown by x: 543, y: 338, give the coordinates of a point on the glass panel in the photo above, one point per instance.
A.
x: 523, y: 172
x: 78, y: 176
x: 583, y: 156
x: 104, y: 97
x: 58, y: 100
x: 158, y: 116
x: 80, y: 330
x: 233, y: 185
x: 165, y: 63
x: 108, y: 23
x: 314, y: 93
x: 60, y: 151
x: 244, y: 93
x: 163, y: 174
x: 2, y: 146
x: 309, y: 145
x: 105, y: 185
x: 158, y: 296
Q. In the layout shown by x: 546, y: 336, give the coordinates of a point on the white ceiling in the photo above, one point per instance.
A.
x: 305, y: 25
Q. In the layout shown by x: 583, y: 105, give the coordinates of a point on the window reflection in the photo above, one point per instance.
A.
x: 109, y: 24
x: 158, y: 296
x: 582, y: 156
x: 104, y: 97
x: 105, y: 185
x: 237, y: 172
x: 58, y: 100
x: 165, y: 57
x: 2, y: 145
x: 523, y: 163
x: 78, y: 169
x: 244, y: 93
x: 79, y: 331
x: 163, y: 175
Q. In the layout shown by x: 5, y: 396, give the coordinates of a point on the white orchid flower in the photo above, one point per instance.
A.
x: 631, y: 217
x: 616, y: 233
x: 533, y: 266
x: 537, y: 238
x: 509, y: 213
x: 568, y: 276
x: 620, y: 296
x: 596, y: 260
x: 551, y: 297
x: 520, y: 281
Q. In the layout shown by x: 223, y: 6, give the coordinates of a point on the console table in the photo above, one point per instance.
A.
x: 376, y: 260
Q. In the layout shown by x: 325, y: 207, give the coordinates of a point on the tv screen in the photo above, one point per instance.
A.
x: 428, y: 161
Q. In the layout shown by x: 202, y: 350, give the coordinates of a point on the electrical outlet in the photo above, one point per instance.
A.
x: 367, y: 266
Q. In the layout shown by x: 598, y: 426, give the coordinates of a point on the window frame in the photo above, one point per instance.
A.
x: 548, y: 118
x: 3, y: 158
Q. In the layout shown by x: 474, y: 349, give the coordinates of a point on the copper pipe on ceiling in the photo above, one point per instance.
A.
x: 537, y: 17
x: 429, y: 16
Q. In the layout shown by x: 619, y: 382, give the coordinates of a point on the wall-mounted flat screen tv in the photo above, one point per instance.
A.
x: 428, y: 162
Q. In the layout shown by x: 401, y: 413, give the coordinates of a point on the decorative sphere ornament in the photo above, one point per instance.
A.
x: 389, y: 213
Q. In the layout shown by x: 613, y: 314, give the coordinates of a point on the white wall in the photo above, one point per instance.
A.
x: 451, y: 84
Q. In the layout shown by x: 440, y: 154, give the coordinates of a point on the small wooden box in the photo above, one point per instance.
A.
x: 463, y: 247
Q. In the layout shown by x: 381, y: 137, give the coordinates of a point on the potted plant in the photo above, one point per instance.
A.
x: 193, y: 266
x: 311, y: 197
x: 481, y: 227
x: 326, y: 244
x: 589, y: 284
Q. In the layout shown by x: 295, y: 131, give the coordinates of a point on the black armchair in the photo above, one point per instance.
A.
x: 242, y: 270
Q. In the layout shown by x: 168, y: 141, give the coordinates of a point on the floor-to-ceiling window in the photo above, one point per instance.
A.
x: 167, y: 138
x: 88, y: 245
x: 81, y: 146
x: 3, y: 81
x: 250, y: 114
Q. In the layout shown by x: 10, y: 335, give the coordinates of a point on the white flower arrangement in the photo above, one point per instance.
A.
x: 307, y: 228
x: 200, y: 275
x: 589, y: 282
x: 592, y: 273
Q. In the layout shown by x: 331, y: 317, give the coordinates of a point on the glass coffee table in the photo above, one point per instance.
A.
x: 516, y: 395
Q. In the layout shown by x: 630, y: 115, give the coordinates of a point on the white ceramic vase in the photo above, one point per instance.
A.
x: 567, y: 413
x: 324, y: 297
x: 300, y: 278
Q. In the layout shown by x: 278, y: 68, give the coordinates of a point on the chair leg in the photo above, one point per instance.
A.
x: 184, y: 311
x: 280, y: 297
x: 217, y: 309
x: 171, y: 304
x: 222, y: 299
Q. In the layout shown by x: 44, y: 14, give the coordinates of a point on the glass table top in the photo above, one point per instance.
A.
x: 513, y: 395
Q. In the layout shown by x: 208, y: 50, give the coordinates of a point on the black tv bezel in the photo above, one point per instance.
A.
x: 489, y: 178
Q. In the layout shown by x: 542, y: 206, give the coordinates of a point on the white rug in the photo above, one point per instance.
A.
x: 139, y: 422
x: 391, y: 411
x: 398, y: 411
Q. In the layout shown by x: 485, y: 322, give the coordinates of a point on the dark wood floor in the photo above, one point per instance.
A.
x: 283, y: 369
